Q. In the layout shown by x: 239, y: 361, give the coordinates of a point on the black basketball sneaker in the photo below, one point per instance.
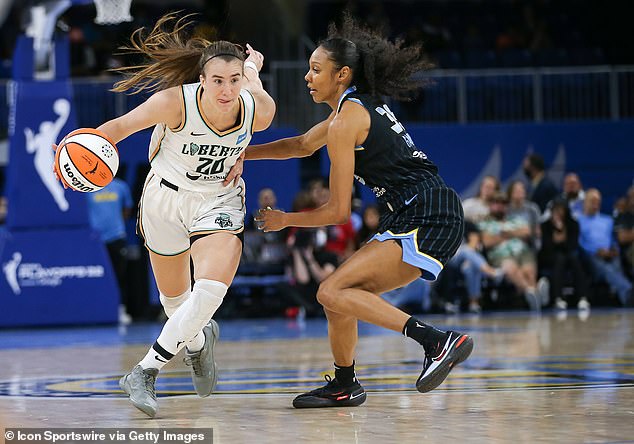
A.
x: 332, y: 395
x: 456, y: 349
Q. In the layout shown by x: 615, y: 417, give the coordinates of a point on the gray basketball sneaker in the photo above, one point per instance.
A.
x: 139, y: 384
x: 204, y: 368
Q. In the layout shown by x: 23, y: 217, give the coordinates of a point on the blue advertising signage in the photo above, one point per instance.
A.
x: 55, y: 277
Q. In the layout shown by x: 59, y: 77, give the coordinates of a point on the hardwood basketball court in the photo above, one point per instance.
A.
x: 550, y: 378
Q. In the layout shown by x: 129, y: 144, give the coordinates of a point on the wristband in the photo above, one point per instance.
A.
x: 250, y: 64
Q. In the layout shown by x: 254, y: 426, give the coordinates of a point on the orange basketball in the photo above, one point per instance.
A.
x: 86, y: 160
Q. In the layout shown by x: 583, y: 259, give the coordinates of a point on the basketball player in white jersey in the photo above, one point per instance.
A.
x: 208, y: 103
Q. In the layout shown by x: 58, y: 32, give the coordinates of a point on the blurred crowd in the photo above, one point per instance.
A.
x: 532, y: 245
x: 489, y: 33
x: 456, y: 34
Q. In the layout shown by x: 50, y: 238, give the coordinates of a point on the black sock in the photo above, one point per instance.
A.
x: 345, y: 375
x: 426, y: 335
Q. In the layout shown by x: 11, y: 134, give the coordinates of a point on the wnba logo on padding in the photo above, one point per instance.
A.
x: 30, y: 274
x: 39, y: 144
x: 10, y: 269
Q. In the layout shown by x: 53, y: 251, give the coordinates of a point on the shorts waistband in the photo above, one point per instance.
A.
x: 169, y: 184
x: 409, y: 195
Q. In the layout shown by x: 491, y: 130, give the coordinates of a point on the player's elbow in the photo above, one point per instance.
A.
x: 269, y: 115
x: 265, y: 119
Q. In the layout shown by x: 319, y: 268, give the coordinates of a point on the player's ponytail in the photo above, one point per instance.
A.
x: 379, y: 67
x: 172, y: 58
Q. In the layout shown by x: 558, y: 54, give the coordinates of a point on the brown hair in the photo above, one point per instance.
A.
x: 172, y: 59
x: 511, y: 187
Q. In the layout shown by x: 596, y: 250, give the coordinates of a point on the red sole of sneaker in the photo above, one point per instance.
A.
x: 315, y: 403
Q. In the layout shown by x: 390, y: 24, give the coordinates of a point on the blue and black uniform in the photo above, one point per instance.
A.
x: 416, y: 206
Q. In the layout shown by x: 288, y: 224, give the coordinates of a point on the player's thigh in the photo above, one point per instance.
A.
x: 376, y: 267
x: 159, y: 222
x: 216, y: 256
x: 171, y: 273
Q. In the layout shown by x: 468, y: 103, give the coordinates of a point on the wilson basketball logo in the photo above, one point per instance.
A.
x: 86, y: 160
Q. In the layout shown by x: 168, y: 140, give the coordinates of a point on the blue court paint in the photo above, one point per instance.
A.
x: 231, y: 330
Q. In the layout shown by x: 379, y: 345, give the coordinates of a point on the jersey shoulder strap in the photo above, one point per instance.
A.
x: 351, y: 95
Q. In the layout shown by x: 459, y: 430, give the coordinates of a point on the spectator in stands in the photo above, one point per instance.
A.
x: 543, y: 190
x: 624, y: 230
x: 341, y: 238
x: 520, y: 207
x: 317, y: 189
x: 473, y: 266
x: 506, y: 241
x: 310, y: 264
x: 370, y: 225
x: 266, y: 198
x: 559, y: 255
x: 573, y: 193
x: 597, y: 242
x: 267, y: 251
x: 108, y: 209
x: 476, y: 208
x: 412, y: 298
x: 356, y: 216
x: 620, y: 206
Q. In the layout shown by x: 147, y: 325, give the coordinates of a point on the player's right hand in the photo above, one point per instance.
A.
x: 255, y: 57
x: 56, y: 172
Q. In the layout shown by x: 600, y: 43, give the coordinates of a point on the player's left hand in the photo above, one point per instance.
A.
x: 270, y: 220
x: 235, y: 172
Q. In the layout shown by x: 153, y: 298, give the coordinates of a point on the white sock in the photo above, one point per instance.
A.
x: 170, y: 305
x: 186, y: 323
x: 206, y: 298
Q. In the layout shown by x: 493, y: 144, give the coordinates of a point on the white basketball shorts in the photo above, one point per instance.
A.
x: 169, y: 216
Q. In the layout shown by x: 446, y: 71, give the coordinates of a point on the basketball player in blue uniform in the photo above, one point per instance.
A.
x: 421, y: 220
x: 208, y: 103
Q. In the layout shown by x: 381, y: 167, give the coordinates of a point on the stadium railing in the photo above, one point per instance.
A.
x: 460, y: 96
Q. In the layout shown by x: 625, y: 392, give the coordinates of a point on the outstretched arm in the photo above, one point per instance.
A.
x: 161, y: 107
x: 292, y: 147
x: 344, y: 133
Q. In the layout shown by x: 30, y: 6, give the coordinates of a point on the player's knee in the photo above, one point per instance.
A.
x: 327, y: 295
x: 171, y: 304
x: 205, y: 299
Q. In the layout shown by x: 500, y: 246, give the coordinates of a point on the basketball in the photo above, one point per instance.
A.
x: 86, y: 160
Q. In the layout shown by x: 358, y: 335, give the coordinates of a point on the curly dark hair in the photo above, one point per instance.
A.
x: 379, y: 67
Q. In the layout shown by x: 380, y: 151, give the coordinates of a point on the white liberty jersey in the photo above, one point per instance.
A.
x: 196, y: 156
